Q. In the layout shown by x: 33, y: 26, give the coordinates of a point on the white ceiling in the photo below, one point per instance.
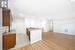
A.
x: 42, y: 8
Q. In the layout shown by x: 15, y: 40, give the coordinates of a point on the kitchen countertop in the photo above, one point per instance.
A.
x: 31, y: 29
x: 6, y: 33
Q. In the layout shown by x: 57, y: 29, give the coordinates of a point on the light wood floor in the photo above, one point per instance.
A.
x: 53, y: 41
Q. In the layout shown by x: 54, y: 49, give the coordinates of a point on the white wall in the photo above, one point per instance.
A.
x: 38, y: 23
x: 61, y: 11
x: 33, y: 22
x: 19, y: 26
x: 0, y: 29
x: 66, y: 26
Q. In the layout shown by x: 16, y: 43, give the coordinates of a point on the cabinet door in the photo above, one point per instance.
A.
x: 6, y: 17
x: 9, y: 41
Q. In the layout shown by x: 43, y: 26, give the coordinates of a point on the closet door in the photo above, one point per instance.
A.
x: 5, y: 17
